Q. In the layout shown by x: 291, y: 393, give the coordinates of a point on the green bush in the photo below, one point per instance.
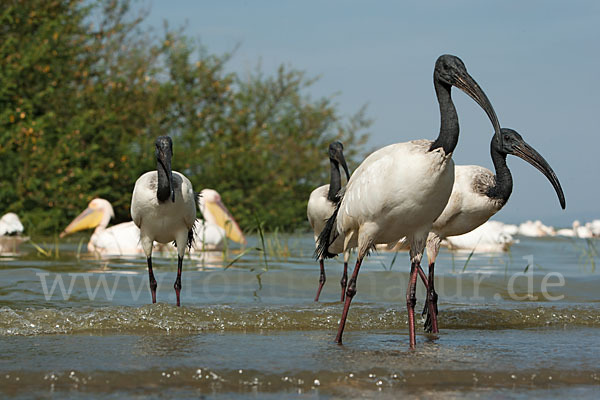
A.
x: 84, y: 92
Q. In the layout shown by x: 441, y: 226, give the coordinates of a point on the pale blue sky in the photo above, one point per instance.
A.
x: 538, y: 62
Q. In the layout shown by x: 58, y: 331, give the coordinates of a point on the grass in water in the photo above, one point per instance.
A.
x: 391, y: 263
x: 46, y: 249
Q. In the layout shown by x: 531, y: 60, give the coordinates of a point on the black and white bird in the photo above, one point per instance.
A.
x: 401, y: 189
x: 478, y: 194
x: 321, y: 205
x: 163, y: 206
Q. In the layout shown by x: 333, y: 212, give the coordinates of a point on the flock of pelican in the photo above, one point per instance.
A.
x: 409, y: 195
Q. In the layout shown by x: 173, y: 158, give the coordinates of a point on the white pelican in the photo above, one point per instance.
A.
x: 11, y: 229
x: 535, y: 229
x: 120, y: 239
x: 489, y: 237
x: 401, y: 189
x: 578, y: 231
x: 218, y: 223
x: 163, y: 206
x: 321, y: 205
x: 10, y: 225
x: 595, y: 227
x: 477, y: 194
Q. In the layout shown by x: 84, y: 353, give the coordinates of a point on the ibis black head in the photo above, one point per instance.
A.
x: 513, y: 143
x: 451, y: 71
x: 164, y: 153
x: 336, y: 154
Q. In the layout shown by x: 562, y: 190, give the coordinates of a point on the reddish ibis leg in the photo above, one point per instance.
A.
x: 177, y: 285
x: 411, y: 301
x: 350, y: 292
x: 153, y: 284
x: 431, y: 309
x: 322, y: 279
x: 344, y: 281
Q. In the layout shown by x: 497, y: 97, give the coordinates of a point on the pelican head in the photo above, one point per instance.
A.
x: 164, y: 153
x: 214, y: 211
x: 513, y: 143
x: 336, y: 155
x: 451, y: 71
x: 97, y: 214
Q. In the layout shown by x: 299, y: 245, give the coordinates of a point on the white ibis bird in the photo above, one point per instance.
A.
x: 163, y: 206
x: 321, y: 205
x: 401, y: 189
x: 120, y: 239
x: 478, y: 194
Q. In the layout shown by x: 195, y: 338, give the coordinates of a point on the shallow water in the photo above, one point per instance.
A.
x: 515, y: 325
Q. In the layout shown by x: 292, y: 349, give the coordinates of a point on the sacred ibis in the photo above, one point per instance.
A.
x: 478, y: 194
x: 321, y: 205
x: 163, y: 206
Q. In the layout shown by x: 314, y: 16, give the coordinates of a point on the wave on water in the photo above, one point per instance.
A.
x: 236, y: 318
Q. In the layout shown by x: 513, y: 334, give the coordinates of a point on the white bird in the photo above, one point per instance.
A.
x: 578, y: 231
x: 10, y: 224
x: 163, y: 206
x: 401, y: 189
x: 595, y: 227
x: 489, y: 237
x: 11, y: 229
x: 121, y: 239
x: 218, y: 223
x: 124, y: 239
x: 478, y: 194
x: 321, y: 205
x: 535, y: 229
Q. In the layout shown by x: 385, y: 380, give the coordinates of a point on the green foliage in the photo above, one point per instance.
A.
x: 84, y: 92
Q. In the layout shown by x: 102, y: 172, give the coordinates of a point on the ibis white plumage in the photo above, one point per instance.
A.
x: 401, y: 189
x: 321, y: 205
x: 163, y: 206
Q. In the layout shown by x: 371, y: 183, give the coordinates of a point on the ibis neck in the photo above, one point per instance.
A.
x: 335, y: 181
x: 163, y: 190
x: 504, y: 184
x: 448, y: 137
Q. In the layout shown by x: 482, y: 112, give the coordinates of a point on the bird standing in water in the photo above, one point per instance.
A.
x: 163, y: 206
x: 478, y: 194
x: 321, y: 205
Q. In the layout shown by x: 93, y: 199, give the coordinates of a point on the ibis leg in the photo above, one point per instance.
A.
x: 344, y: 281
x: 152, y: 280
x: 322, y: 279
x: 350, y: 292
x: 177, y: 285
x: 411, y: 301
x: 431, y: 308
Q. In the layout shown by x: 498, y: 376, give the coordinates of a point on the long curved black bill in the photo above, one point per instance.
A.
x: 529, y: 154
x: 165, y: 162
x: 343, y: 162
x: 467, y: 84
